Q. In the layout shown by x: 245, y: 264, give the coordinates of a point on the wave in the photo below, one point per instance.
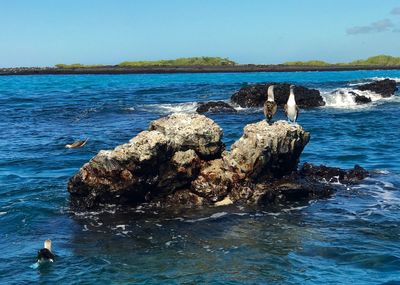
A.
x: 212, y: 217
x: 189, y: 107
x: 346, y: 98
x: 397, y: 79
x: 370, y: 80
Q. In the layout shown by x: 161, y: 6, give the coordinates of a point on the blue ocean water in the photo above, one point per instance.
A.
x: 353, y: 237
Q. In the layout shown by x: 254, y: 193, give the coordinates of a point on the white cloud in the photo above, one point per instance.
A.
x: 395, y: 11
x: 375, y: 27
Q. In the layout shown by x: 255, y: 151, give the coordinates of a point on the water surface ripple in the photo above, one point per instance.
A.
x: 351, y: 238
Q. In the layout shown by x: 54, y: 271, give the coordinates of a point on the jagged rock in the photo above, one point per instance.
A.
x: 386, y: 87
x: 255, y: 95
x: 360, y: 99
x: 267, y: 150
x: 214, y: 181
x: 154, y: 163
x: 191, y: 131
x: 215, y: 107
x: 182, y: 199
x: 294, y: 191
x: 180, y: 162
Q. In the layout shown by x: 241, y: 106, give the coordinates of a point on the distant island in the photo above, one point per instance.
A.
x: 379, y: 60
x: 206, y: 65
x: 183, y: 61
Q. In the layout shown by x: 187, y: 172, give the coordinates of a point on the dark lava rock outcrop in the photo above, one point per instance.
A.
x: 333, y: 174
x: 255, y: 95
x: 181, y: 162
x: 361, y: 99
x: 215, y: 107
x: 386, y: 87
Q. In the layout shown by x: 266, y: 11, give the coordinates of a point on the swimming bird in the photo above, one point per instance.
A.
x: 77, y: 144
x: 270, y: 105
x: 45, y: 254
x: 291, y: 109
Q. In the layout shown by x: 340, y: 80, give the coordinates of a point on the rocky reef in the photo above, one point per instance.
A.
x: 385, y: 88
x: 180, y: 161
x: 255, y: 95
x: 215, y: 107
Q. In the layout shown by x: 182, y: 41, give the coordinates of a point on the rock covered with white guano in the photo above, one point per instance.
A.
x: 152, y: 164
x: 267, y: 150
x: 181, y: 162
x: 191, y: 131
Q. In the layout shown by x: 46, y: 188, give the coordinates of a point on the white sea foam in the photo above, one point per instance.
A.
x: 397, y: 79
x: 178, y: 108
x: 213, y: 216
x: 387, y: 197
x: 189, y: 107
x: 120, y: 227
x: 372, y: 79
x: 345, y: 98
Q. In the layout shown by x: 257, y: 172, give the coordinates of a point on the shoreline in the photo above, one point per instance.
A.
x: 184, y: 69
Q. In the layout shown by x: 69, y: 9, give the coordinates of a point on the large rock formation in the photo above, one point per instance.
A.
x: 386, y: 87
x: 154, y: 163
x: 256, y: 95
x: 180, y: 162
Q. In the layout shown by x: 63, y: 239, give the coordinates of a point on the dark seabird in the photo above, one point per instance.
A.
x: 45, y: 254
x: 291, y: 109
x: 270, y: 106
x: 77, y: 144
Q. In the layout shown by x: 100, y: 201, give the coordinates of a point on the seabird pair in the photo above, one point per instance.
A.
x: 291, y: 109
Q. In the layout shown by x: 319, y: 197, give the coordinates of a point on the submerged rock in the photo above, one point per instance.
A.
x: 180, y: 162
x: 215, y: 107
x: 386, y: 87
x: 255, y: 95
x: 360, y: 99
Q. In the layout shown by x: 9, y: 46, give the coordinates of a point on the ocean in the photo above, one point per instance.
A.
x: 351, y: 238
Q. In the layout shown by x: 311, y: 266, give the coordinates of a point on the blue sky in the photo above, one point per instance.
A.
x: 46, y: 32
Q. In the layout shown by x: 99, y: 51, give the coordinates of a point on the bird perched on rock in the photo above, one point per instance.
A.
x: 77, y: 144
x: 45, y: 254
x: 270, y: 106
x: 291, y: 109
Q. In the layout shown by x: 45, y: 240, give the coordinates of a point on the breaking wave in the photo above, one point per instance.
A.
x: 397, y: 79
x: 189, y: 107
x: 346, y: 98
x: 370, y: 80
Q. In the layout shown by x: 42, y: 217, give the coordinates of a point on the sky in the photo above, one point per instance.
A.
x: 47, y: 32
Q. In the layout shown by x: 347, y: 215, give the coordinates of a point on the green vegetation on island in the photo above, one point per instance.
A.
x: 77, y: 65
x: 379, y: 60
x: 308, y: 63
x: 383, y: 60
x: 184, y: 61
